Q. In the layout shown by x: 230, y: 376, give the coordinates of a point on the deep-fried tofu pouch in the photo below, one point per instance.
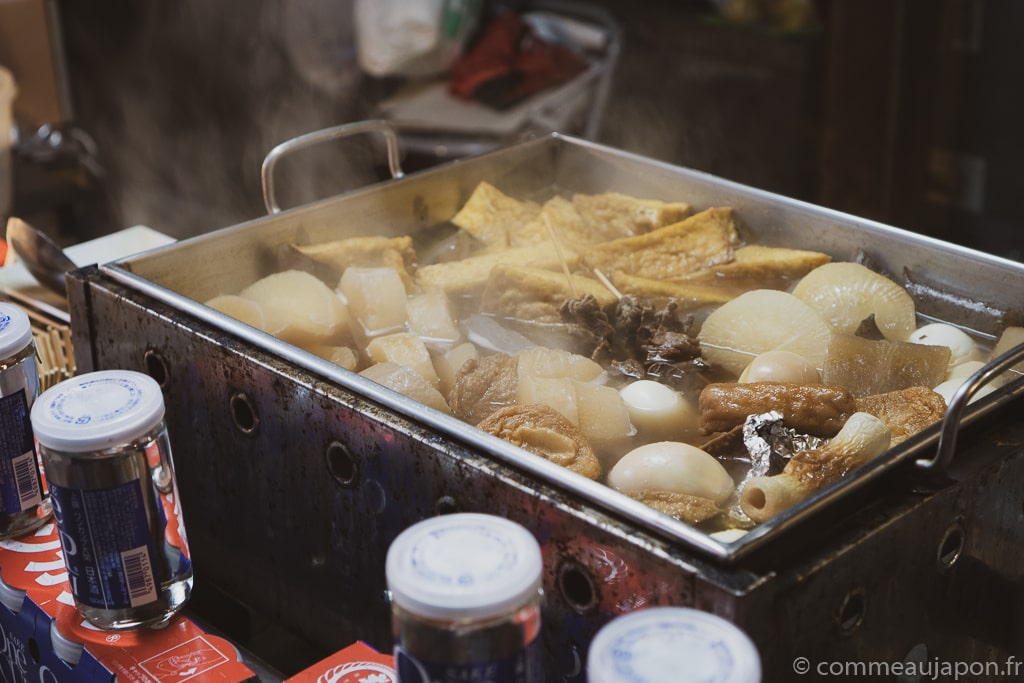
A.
x: 557, y: 220
x: 905, y: 411
x: 544, y: 431
x: 756, y: 267
x: 483, y: 385
x: 613, y: 215
x: 365, y: 252
x: 696, y: 243
x: 491, y: 216
x: 530, y: 293
x: 689, y: 509
x: 469, y: 275
x: 689, y: 296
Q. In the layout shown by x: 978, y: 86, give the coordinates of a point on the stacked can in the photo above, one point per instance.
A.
x: 676, y: 644
x: 23, y: 500
x: 107, y: 459
x: 466, y: 601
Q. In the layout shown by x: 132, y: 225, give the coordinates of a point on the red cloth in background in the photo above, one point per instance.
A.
x: 509, y: 62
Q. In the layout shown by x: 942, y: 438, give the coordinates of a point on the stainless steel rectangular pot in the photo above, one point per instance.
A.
x: 295, y: 474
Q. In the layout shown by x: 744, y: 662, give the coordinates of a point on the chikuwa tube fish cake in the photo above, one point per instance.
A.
x: 862, y: 438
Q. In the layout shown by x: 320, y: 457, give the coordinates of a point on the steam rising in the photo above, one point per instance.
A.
x: 185, y: 99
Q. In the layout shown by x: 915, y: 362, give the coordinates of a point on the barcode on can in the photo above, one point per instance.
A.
x: 138, y: 574
x: 26, y: 477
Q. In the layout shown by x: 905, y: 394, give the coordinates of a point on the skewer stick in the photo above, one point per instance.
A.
x: 607, y: 283
x: 561, y: 256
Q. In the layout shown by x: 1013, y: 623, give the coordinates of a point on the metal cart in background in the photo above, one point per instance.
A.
x: 435, y: 126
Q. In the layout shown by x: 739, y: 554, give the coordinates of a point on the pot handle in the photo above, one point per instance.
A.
x: 324, y: 135
x: 963, y: 395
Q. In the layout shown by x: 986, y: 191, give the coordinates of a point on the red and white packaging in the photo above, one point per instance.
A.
x: 357, y: 663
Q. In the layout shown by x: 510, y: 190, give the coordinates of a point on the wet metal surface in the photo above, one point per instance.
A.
x: 293, y: 487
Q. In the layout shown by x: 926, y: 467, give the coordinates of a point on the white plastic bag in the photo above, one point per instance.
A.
x: 418, y: 38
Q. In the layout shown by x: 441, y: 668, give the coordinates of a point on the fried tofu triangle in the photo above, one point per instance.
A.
x: 817, y: 409
x: 365, y: 252
x: 613, y: 215
x: 536, y: 294
x: 696, y: 243
x: 468, y: 276
x: 544, y: 431
x: 491, y: 216
x: 689, y: 296
x: 557, y: 220
x: 755, y: 266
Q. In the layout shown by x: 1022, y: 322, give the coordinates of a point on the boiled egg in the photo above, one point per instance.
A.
x: 962, y: 348
x: 674, y: 467
x: 658, y: 411
x: 780, y: 366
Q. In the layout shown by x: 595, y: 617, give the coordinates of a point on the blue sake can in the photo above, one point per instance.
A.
x: 107, y: 459
x: 466, y: 601
x: 23, y: 499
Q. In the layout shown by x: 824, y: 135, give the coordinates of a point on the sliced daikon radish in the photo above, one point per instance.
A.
x: 877, y: 366
x: 763, y: 320
x: 408, y: 382
x: 431, y: 319
x: 780, y: 366
x: 298, y: 307
x: 240, y: 308
x: 659, y: 412
x: 602, y: 413
x: 962, y: 348
x: 376, y: 298
x: 540, y: 361
x: 845, y: 294
x: 674, y: 467
x: 339, y: 355
x: 556, y: 392
x: 487, y: 333
x: 447, y: 364
x: 405, y: 349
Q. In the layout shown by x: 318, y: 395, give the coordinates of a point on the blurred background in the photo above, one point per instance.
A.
x: 160, y: 114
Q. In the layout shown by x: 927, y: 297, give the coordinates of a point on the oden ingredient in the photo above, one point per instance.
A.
x: 763, y: 320
x: 845, y: 294
x: 675, y: 478
x: 321, y: 316
x: 582, y: 329
x: 862, y: 438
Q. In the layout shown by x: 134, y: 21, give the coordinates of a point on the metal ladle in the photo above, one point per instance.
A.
x: 42, y: 257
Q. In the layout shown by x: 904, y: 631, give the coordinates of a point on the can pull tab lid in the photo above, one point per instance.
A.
x: 463, y: 566
x: 97, y: 410
x: 672, y: 644
x: 15, y: 329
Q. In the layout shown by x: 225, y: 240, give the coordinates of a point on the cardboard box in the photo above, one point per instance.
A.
x: 45, y: 625
x: 357, y: 663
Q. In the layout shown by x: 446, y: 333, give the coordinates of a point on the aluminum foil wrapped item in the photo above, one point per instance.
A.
x: 770, y: 445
